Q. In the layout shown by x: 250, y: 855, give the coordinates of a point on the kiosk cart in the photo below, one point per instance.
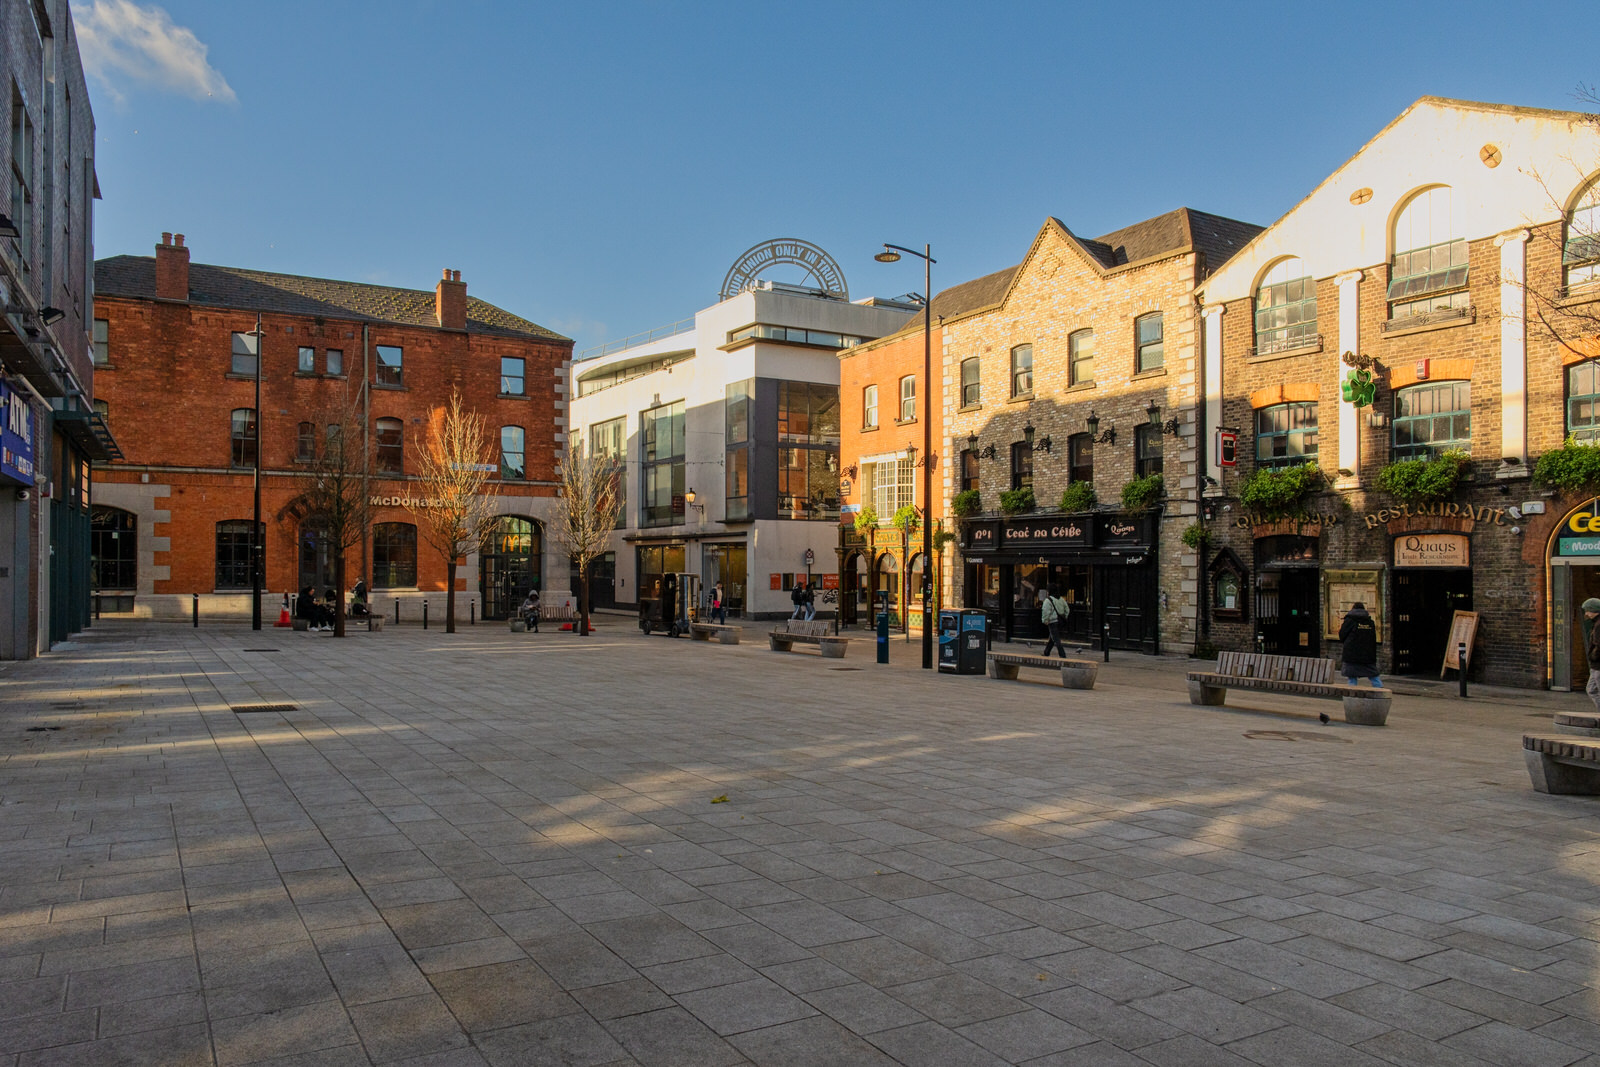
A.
x: 673, y: 611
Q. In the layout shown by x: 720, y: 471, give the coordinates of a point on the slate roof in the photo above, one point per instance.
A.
x: 291, y: 294
x: 968, y: 296
x: 1216, y: 236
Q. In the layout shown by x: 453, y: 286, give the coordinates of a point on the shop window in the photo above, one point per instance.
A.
x: 513, y: 453
x: 808, y: 453
x: 1022, y: 371
x: 307, y: 360
x: 1429, y: 269
x: 394, y: 555
x: 391, y: 365
x: 869, y: 408
x: 246, y: 351
x: 1432, y: 418
x: 1149, y: 350
x: 233, y: 554
x: 1580, y: 255
x: 908, y: 398
x: 1583, y: 400
x: 1080, y: 458
x: 969, y: 469
x: 390, y: 450
x: 113, y: 549
x: 513, y: 381
x: 243, y: 423
x: 333, y: 358
x: 305, y: 443
x: 1286, y: 308
x: 102, y: 342
x: 1147, y: 450
x: 1021, y: 465
x: 1080, y: 358
x: 1286, y: 435
x: 971, y: 392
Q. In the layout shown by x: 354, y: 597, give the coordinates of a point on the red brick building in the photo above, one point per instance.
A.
x: 176, y: 358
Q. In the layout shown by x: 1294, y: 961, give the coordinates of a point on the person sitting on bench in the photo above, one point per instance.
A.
x: 530, y: 610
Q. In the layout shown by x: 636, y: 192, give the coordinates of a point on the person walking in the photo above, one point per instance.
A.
x: 811, y: 602
x: 1359, y: 634
x: 719, y: 613
x: 1055, y: 613
x: 1591, y: 626
x: 798, y: 597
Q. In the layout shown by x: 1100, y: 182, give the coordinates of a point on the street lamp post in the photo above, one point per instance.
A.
x: 257, y: 548
x: 891, y: 254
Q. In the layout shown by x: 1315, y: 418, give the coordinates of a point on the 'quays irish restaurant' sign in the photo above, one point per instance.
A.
x: 16, y: 436
x: 1580, y: 533
x: 1432, y: 550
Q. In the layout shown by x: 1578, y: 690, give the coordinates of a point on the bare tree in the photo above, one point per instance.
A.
x: 586, y: 514
x: 456, y: 506
x: 1572, y: 324
x: 334, y: 501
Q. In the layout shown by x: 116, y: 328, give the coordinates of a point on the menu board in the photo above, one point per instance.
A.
x: 1463, y: 631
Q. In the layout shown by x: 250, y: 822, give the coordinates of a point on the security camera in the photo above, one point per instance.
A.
x: 23, y: 494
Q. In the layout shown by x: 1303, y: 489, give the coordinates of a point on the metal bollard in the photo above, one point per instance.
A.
x: 196, y: 610
x: 472, y: 613
x: 397, y: 611
x: 1105, y: 642
x: 1461, y: 668
x: 424, y: 614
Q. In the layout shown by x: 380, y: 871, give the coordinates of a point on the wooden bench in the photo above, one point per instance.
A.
x: 1075, y: 673
x: 1296, y: 675
x: 814, y: 632
x: 1562, y: 763
x: 705, y: 631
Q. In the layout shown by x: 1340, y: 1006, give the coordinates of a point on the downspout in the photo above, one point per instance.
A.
x: 1202, y: 437
x: 366, y: 456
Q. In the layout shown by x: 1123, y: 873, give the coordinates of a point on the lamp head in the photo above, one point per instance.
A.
x: 972, y: 441
x: 51, y: 315
x: 1092, y: 422
x: 888, y: 255
x: 1154, y: 411
x: 911, y: 454
x: 1027, y: 433
x: 688, y: 498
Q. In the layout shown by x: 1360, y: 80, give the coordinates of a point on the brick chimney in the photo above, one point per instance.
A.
x: 450, y: 301
x: 172, y: 268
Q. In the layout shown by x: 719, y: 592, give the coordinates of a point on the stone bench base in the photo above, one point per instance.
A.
x: 1578, y: 724
x: 705, y: 631
x: 1362, y: 707
x: 1562, y: 764
x: 829, y: 647
x: 1075, y: 673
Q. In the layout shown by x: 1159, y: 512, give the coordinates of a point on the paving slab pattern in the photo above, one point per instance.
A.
x: 487, y: 848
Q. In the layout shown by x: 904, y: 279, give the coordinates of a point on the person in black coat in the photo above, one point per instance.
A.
x: 1591, y: 643
x: 1359, y: 633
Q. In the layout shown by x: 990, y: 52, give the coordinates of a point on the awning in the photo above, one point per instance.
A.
x: 88, y: 430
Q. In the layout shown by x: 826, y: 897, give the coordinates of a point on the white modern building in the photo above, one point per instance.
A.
x: 729, y: 432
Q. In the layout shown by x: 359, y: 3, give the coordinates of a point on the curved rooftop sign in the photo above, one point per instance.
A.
x: 821, y: 268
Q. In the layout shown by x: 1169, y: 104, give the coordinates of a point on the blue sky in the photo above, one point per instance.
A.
x: 597, y: 167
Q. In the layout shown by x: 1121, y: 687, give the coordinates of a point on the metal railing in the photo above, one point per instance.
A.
x: 681, y: 326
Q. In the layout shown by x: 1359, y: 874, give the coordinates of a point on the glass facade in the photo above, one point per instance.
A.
x: 661, y: 465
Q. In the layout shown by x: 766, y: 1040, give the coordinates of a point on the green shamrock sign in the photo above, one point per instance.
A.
x: 1359, y: 389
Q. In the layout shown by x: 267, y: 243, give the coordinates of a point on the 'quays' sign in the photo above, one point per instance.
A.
x: 16, y: 436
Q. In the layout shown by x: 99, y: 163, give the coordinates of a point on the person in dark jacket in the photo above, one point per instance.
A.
x: 1591, y: 615
x: 1359, y: 633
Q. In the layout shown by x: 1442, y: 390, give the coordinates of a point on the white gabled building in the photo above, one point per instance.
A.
x: 729, y: 434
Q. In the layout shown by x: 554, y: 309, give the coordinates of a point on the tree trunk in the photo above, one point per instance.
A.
x: 338, y: 589
x: 583, y: 598
x: 450, y: 597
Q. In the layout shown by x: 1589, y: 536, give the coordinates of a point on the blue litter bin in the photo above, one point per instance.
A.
x: 962, y: 640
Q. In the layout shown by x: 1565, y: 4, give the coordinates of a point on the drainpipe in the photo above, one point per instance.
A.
x: 366, y: 458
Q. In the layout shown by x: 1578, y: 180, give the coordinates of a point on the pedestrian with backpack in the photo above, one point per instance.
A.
x: 1055, y: 613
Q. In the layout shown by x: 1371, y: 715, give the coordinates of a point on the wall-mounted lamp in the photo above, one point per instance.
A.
x: 8, y: 228
x: 688, y: 498
x: 51, y: 315
x: 925, y: 461
x: 1109, y: 437
x: 1027, y: 437
x: 848, y: 472
x: 988, y: 452
x: 911, y: 450
x: 1169, y: 427
x: 972, y: 441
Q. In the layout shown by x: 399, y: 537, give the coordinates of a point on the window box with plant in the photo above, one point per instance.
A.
x: 1078, y: 496
x: 1572, y: 470
x: 965, y: 503
x: 1275, y: 492
x: 1423, y: 481
x: 905, y: 519
x: 1196, y: 536
x: 1016, y: 501
x: 1142, y: 493
x: 866, y: 520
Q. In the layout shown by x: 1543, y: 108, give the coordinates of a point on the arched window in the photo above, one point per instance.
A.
x: 391, y: 445
x: 1286, y: 434
x: 113, y: 549
x: 1432, y: 418
x: 971, y: 391
x: 1149, y: 347
x: 394, y: 555
x: 1286, y: 308
x: 888, y: 581
x: 1581, y: 252
x: 233, y: 554
x: 513, y: 453
x: 243, y: 424
x: 1429, y: 271
x: 509, y: 564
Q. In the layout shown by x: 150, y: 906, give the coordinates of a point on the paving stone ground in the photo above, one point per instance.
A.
x: 504, y: 849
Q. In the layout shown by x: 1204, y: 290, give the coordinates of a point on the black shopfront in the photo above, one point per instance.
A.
x: 1105, y: 566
